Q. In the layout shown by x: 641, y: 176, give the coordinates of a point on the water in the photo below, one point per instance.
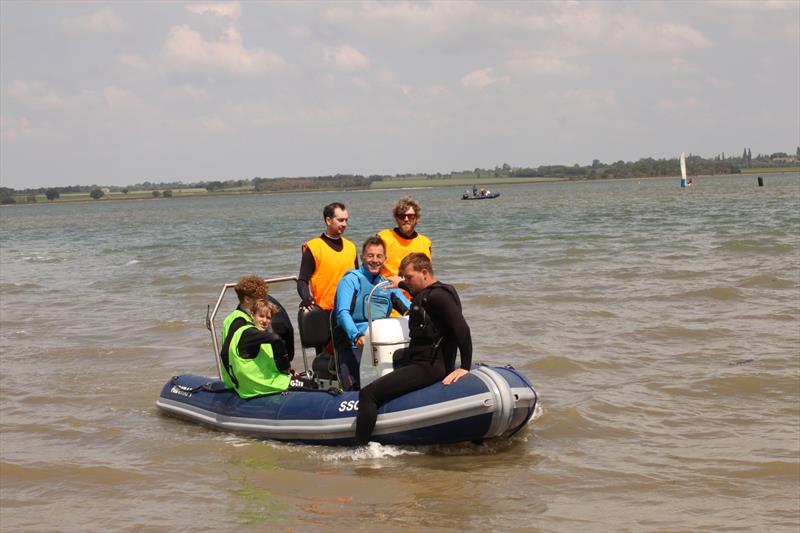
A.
x: 661, y: 328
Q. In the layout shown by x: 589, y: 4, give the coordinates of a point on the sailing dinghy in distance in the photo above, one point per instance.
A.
x: 684, y: 181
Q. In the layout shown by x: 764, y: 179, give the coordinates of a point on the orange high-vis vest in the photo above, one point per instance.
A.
x: 330, y: 267
x: 397, y: 247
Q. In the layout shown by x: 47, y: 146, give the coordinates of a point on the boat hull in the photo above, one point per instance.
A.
x: 479, y: 197
x: 489, y: 402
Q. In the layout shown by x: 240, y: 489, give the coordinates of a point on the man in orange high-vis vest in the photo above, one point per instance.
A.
x: 326, y: 259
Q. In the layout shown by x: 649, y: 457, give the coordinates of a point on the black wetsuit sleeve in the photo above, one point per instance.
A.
x: 237, y: 323
x: 251, y: 341
x: 307, y: 267
x: 398, y: 305
x: 450, y: 321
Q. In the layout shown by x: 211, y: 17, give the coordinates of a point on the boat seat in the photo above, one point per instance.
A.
x: 314, y: 326
x: 282, y: 326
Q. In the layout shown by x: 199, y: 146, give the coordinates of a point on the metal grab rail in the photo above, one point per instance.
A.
x: 211, y: 315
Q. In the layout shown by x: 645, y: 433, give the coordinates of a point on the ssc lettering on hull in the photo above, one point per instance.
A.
x: 350, y: 405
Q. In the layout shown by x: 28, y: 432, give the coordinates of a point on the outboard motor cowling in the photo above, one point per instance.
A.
x: 388, y: 336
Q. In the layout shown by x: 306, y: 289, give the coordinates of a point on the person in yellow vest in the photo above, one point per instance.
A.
x: 325, y: 260
x: 255, y: 360
x: 248, y: 290
x: 403, y: 239
x: 258, y: 359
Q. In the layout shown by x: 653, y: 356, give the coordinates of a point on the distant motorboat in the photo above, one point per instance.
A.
x: 489, y: 196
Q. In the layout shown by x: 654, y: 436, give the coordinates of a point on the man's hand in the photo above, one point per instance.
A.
x: 360, y: 341
x: 395, y: 280
x: 454, y: 376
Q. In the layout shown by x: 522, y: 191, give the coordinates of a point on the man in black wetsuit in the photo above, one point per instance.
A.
x: 437, y: 329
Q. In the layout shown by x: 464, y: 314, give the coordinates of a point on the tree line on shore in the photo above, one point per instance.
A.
x: 647, y: 167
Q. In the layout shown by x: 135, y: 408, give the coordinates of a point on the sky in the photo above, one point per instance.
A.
x: 118, y: 93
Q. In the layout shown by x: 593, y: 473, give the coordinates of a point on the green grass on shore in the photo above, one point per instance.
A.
x: 770, y: 170
x: 400, y: 183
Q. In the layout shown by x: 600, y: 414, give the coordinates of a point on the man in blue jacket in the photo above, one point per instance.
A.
x: 350, y: 308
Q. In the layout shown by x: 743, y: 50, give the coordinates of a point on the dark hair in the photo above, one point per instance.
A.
x: 418, y: 261
x: 373, y: 241
x: 328, y: 210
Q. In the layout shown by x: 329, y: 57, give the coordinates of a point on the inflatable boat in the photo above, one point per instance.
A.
x: 489, y: 402
x: 467, y: 196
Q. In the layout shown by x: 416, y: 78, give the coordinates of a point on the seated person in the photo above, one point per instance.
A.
x: 262, y: 312
x: 258, y: 359
x: 248, y: 290
x: 350, y: 308
x: 438, y: 331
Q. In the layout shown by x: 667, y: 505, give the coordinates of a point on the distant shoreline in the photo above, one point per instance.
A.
x: 400, y: 184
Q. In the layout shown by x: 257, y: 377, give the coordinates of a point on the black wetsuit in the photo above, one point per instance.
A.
x: 438, y: 329
x: 308, y: 265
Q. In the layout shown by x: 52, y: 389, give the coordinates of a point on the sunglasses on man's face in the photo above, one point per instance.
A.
x: 403, y: 216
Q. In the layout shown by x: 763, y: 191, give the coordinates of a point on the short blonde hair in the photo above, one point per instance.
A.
x: 265, y: 305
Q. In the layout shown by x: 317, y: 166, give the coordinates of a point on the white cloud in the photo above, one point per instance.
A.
x: 482, y: 78
x: 230, y: 10
x: 582, y: 101
x: 537, y: 66
x: 679, y: 104
x: 718, y: 83
x: 433, y: 17
x: 362, y: 84
x: 124, y: 102
x: 588, y: 28
x: 35, y: 95
x: 185, y: 92
x: 679, y: 37
x: 15, y: 129
x: 103, y: 21
x: 757, y: 5
x: 683, y: 67
x: 213, y: 124
x: 345, y: 58
x: 133, y: 61
x: 187, y: 50
x: 298, y: 31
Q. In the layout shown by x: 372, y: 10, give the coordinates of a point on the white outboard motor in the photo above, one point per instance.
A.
x: 386, y: 337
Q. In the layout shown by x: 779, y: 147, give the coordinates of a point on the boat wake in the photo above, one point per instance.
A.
x: 372, y: 450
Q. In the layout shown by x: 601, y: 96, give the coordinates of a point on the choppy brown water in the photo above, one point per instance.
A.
x: 661, y: 328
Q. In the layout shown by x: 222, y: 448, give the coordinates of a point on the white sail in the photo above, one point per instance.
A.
x: 683, y: 169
